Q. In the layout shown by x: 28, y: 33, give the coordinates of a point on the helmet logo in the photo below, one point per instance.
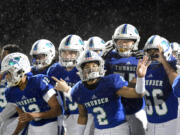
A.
x: 49, y: 45
x: 14, y: 61
x: 136, y: 31
x: 102, y: 41
x: 81, y: 42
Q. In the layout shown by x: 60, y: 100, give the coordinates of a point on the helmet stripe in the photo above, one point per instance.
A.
x: 124, y: 30
x: 91, y: 44
x: 151, y: 40
x: 68, y: 40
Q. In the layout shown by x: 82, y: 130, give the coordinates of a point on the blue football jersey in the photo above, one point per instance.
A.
x: 176, y: 86
x: 31, y: 98
x: 126, y: 67
x: 71, y: 77
x: 161, y: 104
x: 102, y: 101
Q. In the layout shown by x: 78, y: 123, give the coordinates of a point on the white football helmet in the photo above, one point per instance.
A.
x: 178, y: 61
x: 175, y: 48
x: 71, y: 43
x: 17, y: 65
x: 154, y: 41
x: 129, y: 32
x: 42, y: 47
x: 96, y: 44
x: 86, y: 57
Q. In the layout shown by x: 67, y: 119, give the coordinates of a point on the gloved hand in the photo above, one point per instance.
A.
x: 138, y: 54
x: 109, y: 46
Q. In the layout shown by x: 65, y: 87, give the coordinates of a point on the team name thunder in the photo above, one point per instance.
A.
x: 96, y: 102
x: 26, y: 101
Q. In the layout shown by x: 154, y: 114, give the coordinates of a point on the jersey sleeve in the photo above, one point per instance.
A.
x: 75, y: 92
x: 46, y: 88
x: 53, y: 71
x: 118, y: 82
x: 176, y: 86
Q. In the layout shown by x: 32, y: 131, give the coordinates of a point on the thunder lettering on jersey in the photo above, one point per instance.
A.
x: 31, y: 98
x: 161, y: 104
x: 102, y: 101
x: 126, y: 67
x: 71, y: 77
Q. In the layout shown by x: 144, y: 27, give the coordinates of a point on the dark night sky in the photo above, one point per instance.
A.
x: 25, y: 21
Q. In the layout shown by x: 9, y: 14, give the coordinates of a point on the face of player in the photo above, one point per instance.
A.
x: 39, y: 57
x: 88, y: 71
x: 90, y: 67
x: 153, y: 53
x: 175, y: 54
x: 124, y: 45
x: 66, y: 54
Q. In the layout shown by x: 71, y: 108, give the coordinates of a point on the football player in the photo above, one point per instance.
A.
x: 101, y: 95
x: 65, y: 72
x: 161, y: 104
x: 8, y: 115
x: 122, y: 61
x: 33, y: 96
x: 43, y: 56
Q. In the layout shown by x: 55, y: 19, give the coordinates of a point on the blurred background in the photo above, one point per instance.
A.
x: 24, y: 21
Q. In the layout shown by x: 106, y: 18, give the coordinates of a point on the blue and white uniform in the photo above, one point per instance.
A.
x: 161, y: 104
x: 104, y: 104
x: 134, y: 108
x: 34, y: 98
x: 70, y: 107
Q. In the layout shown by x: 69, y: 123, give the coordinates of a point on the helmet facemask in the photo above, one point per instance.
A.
x: 124, y: 46
x: 40, y: 61
x: 92, y: 72
x: 68, y: 58
x: 13, y: 76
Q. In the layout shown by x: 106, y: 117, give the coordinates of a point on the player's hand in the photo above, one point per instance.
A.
x: 61, y: 85
x: 142, y: 66
x: 138, y: 54
x: 25, y: 117
x: 109, y: 46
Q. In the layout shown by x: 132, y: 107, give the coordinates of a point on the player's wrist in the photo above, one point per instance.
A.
x: 67, y: 89
x: 140, y: 85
